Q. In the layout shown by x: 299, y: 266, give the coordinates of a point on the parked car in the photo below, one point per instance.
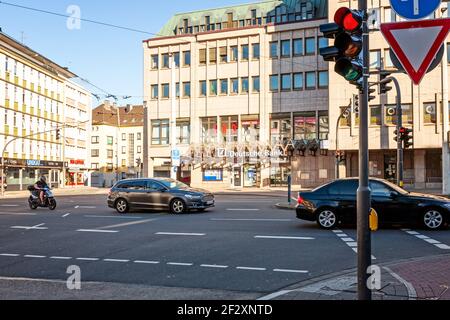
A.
x: 158, y: 194
x: 335, y: 203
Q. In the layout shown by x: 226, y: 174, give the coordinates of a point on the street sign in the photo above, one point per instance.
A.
x: 176, y: 158
x: 415, y: 9
x: 416, y: 43
x: 436, y: 62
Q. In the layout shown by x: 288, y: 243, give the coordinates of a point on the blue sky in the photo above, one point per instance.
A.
x: 109, y: 58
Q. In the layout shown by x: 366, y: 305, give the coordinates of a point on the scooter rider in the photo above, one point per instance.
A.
x: 41, y: 185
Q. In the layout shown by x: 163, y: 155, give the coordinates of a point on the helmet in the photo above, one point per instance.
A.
x: 43, y: 179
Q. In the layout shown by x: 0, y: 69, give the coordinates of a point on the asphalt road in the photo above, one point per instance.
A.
x: 242, y: 249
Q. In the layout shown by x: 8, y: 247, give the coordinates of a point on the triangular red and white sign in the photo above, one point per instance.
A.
x: 416, y: 43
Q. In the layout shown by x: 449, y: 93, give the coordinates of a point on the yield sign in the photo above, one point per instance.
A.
x: 416, y: 43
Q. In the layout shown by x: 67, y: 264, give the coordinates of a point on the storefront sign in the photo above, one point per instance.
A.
x: 213, y: 175
x: 33, y: 163
x: 222, y: 153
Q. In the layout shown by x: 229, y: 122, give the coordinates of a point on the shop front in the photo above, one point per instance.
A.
x: 22, y: 173
x: 76, y: 173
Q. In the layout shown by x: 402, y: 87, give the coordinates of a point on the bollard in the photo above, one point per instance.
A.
x: 289, y: 188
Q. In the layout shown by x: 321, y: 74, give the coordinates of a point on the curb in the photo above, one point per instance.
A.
x: 285, y: 206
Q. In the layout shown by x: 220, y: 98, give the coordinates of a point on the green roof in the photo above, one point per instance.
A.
x: 240, y: 12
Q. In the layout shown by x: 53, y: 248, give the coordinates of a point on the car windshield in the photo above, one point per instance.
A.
x: 173, y: 184
x: 395, y: 187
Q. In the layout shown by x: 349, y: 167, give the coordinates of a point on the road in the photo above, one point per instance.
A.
x: 242, y: 249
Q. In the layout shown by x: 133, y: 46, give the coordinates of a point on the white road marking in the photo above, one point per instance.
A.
x: 88, y: 259
x: 284, y: 238
x: 16, y: 214
x: 274, y: 295
x: 76, y: 207
x: 180, y: 264
x: 349, y: 241
x: 34, y: 256
x: 9, y: 255
x: 180, y: 234
x: 146, y: 262
x: 98, y: 231
x: 290, y: 271
x: 85, y: 207
x: 213, y: 266
x: 37, y: 227
x: 116, y: 260
x: 242, y: 209
x: 265, y: 220
x: 61, y: 258
x: 113, y: 217
x: 427, y: 239
x: 66, y: 215
x: 251, y: 268
x: 9, y: 205
x: 126, y: 224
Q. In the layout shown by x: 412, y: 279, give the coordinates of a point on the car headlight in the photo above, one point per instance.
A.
x: 192, y: 197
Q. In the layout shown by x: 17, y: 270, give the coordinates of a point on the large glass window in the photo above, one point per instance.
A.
x: 155, y: 91
x: 322, y: 43
x: 183, y: 132
x: 323, y: 79
x: 165, y: 90
x: 286, y: 82
x: 203, y: 88
x: 391, y: 117
x: 274, y: 86
x: 213, y: 87
x: 176, y: 59
x: 429, y: 113
x: 110, y: 140
x: 298, y: 47
x: 274, y: 49
x: 245, y: 53
x: 223, y: 55
x: 224, y: 86
x: 286, y: 48
x: 186, y: 89
x: 256, y: 84
x: 280, y: 128
x: 160, y: 132
x: 155, y: 62
x: 310, y: 44
x: 324, y: 125
x: 310, y: 80
x: 298, y: 81
x: 305, y: 126
x: 375, y: 59
x: 229, y: 128
x: 235, y: 86
x: 202, y: 56
x: 234, y: 53
x: 256, y: 51
x: 250, y: 128
x: 209, y: 130
x: 165, y: 60
x: 212, y: 55
x: 186, y: 58
x: 244, y: 85
x: 375, y: 115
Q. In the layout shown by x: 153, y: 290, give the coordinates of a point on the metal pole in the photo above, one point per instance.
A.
x: 337, y: 147
x: 173, y: 115
x: 445, y: 124
x: 364, y: 193
x: 3, y: 175
x: 289, y: 189
x: 399, y: 111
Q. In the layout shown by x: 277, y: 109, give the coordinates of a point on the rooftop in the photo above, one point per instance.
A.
x: 109, y: 114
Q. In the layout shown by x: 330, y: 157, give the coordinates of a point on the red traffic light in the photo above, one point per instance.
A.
x: 349, y: 20
x: 403, y: 130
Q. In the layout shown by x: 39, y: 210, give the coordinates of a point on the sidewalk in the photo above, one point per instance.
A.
x: 78, y: 191
x: 426, y: 278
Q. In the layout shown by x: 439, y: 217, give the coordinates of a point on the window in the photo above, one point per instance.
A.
x: 324, y: 125
x: 209, y: 130
x: 286, y: 48
x: 165, y: 60
x: 375, y: 59
x: 305, y: 126
x: 202, y: 56
x: 160, y: 132
x: 375, y: 115
x: 229, y: 128
x: 183, y: 132
x: 177, y: 89
x: 310, y: 80
x: 298, y: 81
x: 297, y: 47
x: 213, y: 55
x: 391, y: 118
x: 124, y: 163
x: 139, y: 149
x: 213, y: 87
x: 124, y: 150
x: 323, y: 79
x: 95, y: 166
x: 176, y: 59
x: 323, y: 42
x: 245, y: 53
x: 139, y: 136
x: 165, y: 90
x: 280, y: 128
x: 110, y: 141
x: 274, y: 49
x: 155, y: 91
x: 380, y: 189
x: 429, y: 113
x: 274, y: 82
x: 124, y: 137
x: 154, y: 64
x: 345, y: 120
x: 110, y: 154
x: 310, y: 46
x: 224, y: 86
x: 256, y: 51
x: 244, y: 85
x: 95, y: 153
x: 234, y: 53
x: 389, y: 15
x: 344, y: 187
x: 223, y: 55
x: 250, y: 128
x: 203, y: 88
x: 186, y: 58
x: 95, y: 140
x: 387, y: 59
x: 186, y: 89
x: 235, y: 86
x: 256, y: 84
x: 286, y: 82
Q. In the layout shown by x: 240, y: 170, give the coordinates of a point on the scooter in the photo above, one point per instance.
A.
x: 35, y: 202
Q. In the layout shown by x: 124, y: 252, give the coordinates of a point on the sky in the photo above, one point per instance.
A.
x: 109, y: 58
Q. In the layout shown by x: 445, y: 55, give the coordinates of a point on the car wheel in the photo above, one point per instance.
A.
x: 122, y: 206
x: 432, y: 219
x: 327, y: 219
x: 177, y: 206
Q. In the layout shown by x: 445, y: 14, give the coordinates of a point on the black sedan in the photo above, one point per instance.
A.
x: 158, y: 194
x: 335, y: 203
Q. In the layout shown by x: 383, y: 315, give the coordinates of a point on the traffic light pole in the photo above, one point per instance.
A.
x: 400, y: 161
x: 364, y: 193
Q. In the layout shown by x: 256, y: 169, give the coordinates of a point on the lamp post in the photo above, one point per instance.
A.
x: 173, y: 117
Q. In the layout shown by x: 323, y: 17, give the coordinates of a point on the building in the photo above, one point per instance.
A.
x: 78, y: 120
x: 32, y: 107
x: 116, y: 148
x: 250, y: 93
x: 422, y: 111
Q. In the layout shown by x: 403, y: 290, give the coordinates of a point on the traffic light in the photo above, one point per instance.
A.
x: 384, y: 88
x: 340, y: 155
x: 347, y: 49
x: 370, y: 94
x: 407, y: 137
x: 58, y: 134
x: 396, y: 137
x: 355, y: 105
